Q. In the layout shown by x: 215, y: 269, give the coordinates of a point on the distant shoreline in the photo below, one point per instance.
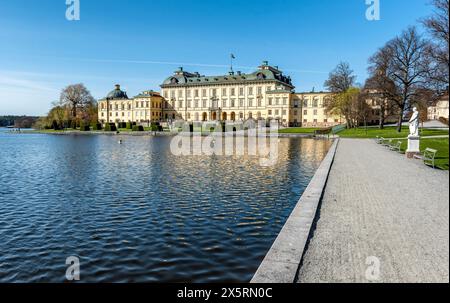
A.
x: 141, y: 134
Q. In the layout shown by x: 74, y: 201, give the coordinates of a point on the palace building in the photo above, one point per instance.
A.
x: 266, y: 94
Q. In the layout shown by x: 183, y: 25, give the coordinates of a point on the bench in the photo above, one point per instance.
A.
x: 397, y: 146
x: 386, y: 142
x: 428, y: 156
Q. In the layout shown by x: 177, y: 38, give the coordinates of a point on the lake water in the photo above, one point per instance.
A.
x: 136, y: 213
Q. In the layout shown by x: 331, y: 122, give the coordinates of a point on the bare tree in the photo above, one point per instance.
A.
x: 408, y: 68
x: 379, y: 87
x: 438, y: 28
x: 340, y: 79
x: 76, y: 97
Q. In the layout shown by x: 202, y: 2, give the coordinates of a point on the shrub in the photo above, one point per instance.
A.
x: 96, y: 126
x: 138, y: 128
x: 84, y: 127
x: 129, y: 125
x: 110, y: 127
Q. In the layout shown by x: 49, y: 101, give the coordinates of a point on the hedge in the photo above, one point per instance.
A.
x: 110, y: 127
x: 138, y: 128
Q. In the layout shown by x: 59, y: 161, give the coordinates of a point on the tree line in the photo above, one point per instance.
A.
x: 409, y: 70
x: 76, y: 107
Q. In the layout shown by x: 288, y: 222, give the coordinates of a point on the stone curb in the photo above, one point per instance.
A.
x: 282, y: 262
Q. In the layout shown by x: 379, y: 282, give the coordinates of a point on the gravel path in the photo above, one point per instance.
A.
x: 379, y: 205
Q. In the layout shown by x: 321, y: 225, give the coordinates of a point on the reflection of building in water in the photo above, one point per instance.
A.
x: 266, y: 94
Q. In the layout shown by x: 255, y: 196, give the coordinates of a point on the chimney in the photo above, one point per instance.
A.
x: 239, y: 73
x: 231, y: 73
x: 265, y: 63
x: 117, y: 86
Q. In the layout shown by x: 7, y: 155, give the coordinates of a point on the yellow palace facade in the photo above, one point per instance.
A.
x: 266, y: 94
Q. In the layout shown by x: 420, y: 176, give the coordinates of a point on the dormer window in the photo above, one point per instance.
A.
x: 260, y: 76
x: 173, y: 81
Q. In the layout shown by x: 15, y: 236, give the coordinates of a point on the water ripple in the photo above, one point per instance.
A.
x: 136, y: 213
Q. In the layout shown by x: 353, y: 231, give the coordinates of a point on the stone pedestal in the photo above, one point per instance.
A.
x: 413, y: 146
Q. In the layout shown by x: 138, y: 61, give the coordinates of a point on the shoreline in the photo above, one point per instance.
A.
x: 283, y: 260
x: 158, y: 134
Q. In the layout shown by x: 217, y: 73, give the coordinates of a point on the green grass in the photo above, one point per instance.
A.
x: 388, y: 132
x: 439, y: 144
x: 298, y: 130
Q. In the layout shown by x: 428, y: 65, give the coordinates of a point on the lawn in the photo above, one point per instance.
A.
x: 388, y: 132
x: 298, y: 130
x: 440, y: 144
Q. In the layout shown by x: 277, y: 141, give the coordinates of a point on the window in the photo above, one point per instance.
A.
x: 259, y: 90
x: 250, y: 91
x: 270, y: 111
x: 189, y: 103
x: 284, y: 112
x: 241, y: 102
x: 284, y: 101
x: 250, y: 102
x: 232, y: 102
x: 204, y: 103
x: 315, y: 112
x: 305, y: 120
x: 172, y: 94
x: 315, y: 120
x: 233, y: 92
x: 180, y: 104
x: 203, y: 92
x: 268, y: 88
x: 305, y: 112
x: 180, y: 94
x: 241, y: 91
x: 259, y: 102
x: 305, y: 103
x: 196, y: 103
x: 196, y: 93
x: 117, y: 107
x: 277, y: 101
x: 296, y: 103
x: 188, y: 92
x: 336, y: 121
x: 146, y: 104
x: 241, y: 115
x: 315, y: 103
x: 295, y: 113
x: 277, y: 112
x: 270, y: 101
x: 214, y: 92
x: 325, y: 120
x: 224, y: 103
x: 224, y: 91
x: 166, y: 95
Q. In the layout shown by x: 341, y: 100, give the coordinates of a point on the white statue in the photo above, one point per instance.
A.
x: 414, y: 123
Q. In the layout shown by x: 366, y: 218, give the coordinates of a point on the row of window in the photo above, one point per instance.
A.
x: 240, y: 103
x: 123, y: 106
x: 138, y: 114
x: 214, y: 92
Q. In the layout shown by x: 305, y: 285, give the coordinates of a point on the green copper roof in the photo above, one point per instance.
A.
x: 265, y: 73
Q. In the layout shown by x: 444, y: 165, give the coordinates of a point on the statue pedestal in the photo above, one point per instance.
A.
x: 413, y: 146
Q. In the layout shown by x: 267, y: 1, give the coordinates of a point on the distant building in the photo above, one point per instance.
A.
x: 117, y: 107
x: 266, y: 94
x: 439, y: 109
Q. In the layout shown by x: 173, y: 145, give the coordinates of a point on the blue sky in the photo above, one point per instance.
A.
x: 139, y: 43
